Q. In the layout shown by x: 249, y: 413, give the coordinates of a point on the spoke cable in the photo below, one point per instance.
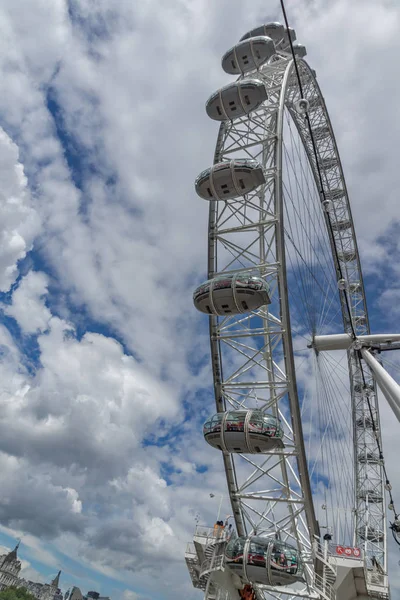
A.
x: 395, y: 528
x: 320, y: 182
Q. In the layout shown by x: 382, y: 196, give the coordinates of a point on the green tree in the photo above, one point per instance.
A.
x: 14, y: 593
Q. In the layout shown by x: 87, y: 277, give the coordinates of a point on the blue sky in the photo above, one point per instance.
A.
x: 104, y: 363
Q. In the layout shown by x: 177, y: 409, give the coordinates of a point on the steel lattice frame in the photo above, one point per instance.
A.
x: 252, y: 357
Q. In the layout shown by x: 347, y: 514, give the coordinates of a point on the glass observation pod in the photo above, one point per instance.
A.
x: 371, y: 496
x: 264, y: 561
x: 246, y: 431
x: 231, y: 294
x: 299, y: 50
x: 328, y: 163
x: 369, y: 457
x: 230, y: 179
x: 341, y: 225
x: 248, y: 55
x: 276, y: 31
x: 373, y: 535
x: 347, y: 255
x: 321, y: 133
x: 236, y: 99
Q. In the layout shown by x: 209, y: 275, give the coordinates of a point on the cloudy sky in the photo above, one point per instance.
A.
x: 104, y: 363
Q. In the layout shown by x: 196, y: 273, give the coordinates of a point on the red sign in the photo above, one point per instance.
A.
x: 347, y: 551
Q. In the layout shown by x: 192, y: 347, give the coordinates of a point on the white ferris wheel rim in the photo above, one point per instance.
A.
x: 287, y: 71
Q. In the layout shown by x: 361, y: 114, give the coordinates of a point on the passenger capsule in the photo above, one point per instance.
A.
x: 347, y: 255
x: 248, y: 55
x: 231, y: 179
x: 236, y: 99
x: 264, y: 560
x: 328, y: 163
x: 299, y: 50
x: 341, y: 225
x: 372, y: 496
x: 321, y: 133
x: 231, y: 294
x: 276, y: 31
x: 373, y: 535
x: 246, y: 431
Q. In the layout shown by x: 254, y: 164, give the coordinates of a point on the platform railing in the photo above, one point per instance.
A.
x: 212, y: 534
x: 377, y: 584
x: 324, y: 588
x: 213, y: 563
x: 190, y: 550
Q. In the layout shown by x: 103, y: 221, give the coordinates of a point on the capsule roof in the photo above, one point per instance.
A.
x: 231, y: 293
x: 229, y: 179
x: 299, y: 50
x: 276, y: 31
x: 236, y: 99
x: 248, y: 55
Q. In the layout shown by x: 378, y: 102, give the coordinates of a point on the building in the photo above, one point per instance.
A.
x: 76, y: 594
x: 42, y: 591
x: 95, y: 596
x: 10, y: 567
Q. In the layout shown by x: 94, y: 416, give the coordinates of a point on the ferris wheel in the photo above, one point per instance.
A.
x: 296, y: 417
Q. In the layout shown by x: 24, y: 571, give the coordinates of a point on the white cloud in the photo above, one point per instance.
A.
x: 130, y: 595
x: 20, y: 223
x: 27, y: 306
x: 76, y: 503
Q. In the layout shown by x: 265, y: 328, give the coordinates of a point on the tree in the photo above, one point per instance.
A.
x: 14, y: 593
